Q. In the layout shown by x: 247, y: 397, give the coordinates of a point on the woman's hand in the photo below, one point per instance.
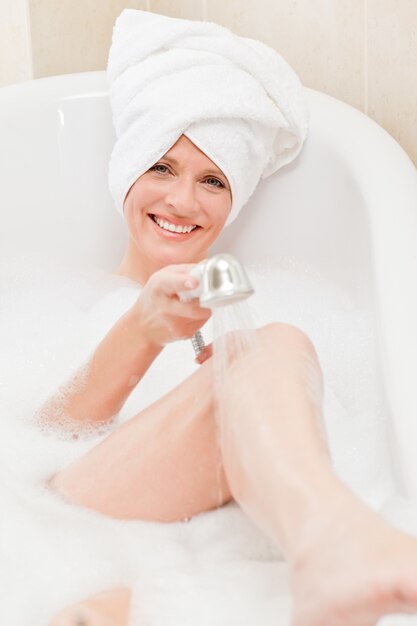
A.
x: 206, y: 353
x: 163, y: 316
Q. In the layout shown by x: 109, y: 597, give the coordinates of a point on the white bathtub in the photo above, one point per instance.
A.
x: 347, y: 208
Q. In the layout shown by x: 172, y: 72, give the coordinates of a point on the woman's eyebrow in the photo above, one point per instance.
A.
x: 208, y: 171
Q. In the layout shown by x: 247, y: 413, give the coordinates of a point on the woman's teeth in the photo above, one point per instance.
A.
x: 173, y: 227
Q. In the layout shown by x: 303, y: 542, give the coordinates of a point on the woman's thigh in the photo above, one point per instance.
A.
x: 164, y: 464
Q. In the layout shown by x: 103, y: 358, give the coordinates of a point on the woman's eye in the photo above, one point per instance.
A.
x: 217, y: 182
x: 159, y: 165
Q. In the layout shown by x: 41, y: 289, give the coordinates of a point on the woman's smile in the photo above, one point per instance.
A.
x: 169, y: 227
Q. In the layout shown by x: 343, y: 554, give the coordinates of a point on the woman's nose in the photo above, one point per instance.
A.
x: 182, y: 198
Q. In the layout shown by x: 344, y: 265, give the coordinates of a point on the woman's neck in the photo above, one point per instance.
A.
x: 134, y: 268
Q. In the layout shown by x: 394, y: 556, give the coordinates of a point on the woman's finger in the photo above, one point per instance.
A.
x: 174, y: 283
x: 205, y: 354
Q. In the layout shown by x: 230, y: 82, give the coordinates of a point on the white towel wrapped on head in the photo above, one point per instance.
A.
x: 235, y: 98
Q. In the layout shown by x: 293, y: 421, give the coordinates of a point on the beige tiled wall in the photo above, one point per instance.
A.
x: 392, y: 69
x: 361, y: 51
x: 15, y: 43
x: 189, y: 9
x: 73, y: 35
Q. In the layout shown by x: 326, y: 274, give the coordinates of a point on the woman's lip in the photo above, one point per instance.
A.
x: 169, y: 234
x: 171, y: 220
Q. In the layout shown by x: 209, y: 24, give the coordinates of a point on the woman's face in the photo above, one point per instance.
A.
x: 183, y: 189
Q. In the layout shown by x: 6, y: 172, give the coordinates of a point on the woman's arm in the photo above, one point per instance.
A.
x: 96, y: 393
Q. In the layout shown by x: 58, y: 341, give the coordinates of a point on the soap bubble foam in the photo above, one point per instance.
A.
x: 53, y: 553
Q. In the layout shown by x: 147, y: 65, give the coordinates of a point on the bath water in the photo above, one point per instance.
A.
x: 234, y: 336
x: 217, y: 568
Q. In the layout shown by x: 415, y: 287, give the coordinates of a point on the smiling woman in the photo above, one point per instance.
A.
x: 174, y: 211
x: 179, y: 173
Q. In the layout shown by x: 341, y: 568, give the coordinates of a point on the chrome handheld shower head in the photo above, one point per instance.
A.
x: 223, y: 281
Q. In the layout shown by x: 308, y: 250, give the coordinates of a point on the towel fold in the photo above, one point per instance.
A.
x: 235, y: 98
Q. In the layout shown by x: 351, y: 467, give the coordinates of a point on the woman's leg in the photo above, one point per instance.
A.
x: 162, y: 465
x: 109, y: 608
x: 278, y: 468
x: 347, y: 566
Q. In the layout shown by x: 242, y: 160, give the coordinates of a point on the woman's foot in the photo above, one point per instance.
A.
x: 110, y: 608
x: 353, y: 572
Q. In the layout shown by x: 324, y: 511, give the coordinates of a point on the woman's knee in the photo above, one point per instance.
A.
x: 285, y: 334
x: 295, y: 346
x: 272, y: 336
